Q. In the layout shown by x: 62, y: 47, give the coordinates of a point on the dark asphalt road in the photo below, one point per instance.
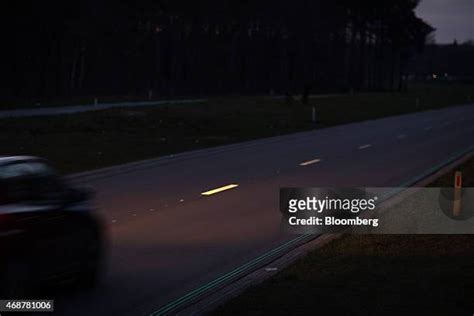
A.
x: 166, y: 238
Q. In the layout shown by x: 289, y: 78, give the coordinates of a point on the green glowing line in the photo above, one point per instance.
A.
x: 225, y: 277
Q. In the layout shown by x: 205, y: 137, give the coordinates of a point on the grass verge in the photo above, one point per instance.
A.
x: 373, y: 275
x: 92, y: 140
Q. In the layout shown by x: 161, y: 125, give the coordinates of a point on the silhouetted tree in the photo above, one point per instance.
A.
x: 199, y: 47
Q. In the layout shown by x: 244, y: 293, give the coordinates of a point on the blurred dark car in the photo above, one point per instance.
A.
x: 49, y: 231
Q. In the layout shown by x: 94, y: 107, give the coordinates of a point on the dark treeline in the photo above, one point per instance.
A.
x: 453, y: 62
x: 177, y: 47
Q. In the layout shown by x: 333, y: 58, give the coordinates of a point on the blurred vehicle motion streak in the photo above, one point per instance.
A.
x: 50, y: 234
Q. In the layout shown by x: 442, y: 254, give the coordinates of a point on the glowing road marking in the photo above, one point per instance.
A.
x: 228, y: 276
x: 221, y: 189
x: 365, y: 146
x: 310, y: 162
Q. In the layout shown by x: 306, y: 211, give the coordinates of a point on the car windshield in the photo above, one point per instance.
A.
x: 27, y: 182
x: 23, y: 169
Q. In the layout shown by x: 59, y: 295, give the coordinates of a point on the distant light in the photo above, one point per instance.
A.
x: 435, y: 76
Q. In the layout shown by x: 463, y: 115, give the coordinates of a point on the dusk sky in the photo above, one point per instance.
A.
x: 453, y: 19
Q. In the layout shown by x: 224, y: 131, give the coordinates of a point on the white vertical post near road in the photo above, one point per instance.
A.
x: 313, y: 114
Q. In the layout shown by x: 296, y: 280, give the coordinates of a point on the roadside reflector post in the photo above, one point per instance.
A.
x: 313, y: 114
x: 150, y: 94
x: 457, y: 193
x: 96, y: 101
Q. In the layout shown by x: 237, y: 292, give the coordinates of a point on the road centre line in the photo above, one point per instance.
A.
x: 220, y: 189
x: 365, y: 146
x: 310, y: 162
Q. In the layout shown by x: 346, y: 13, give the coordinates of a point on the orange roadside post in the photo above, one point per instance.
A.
x: 457, y: 193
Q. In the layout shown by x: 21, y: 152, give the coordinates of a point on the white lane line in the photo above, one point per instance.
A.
x: 220, y: 189
x: 270, y: 269
x: 401, y: 136
x: 364, y: 146
x: 310, y: 162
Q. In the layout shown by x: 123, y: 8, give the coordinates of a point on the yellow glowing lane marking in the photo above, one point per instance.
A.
x: 220, y: 189
x: 365, y: 146
x: 310, y: 162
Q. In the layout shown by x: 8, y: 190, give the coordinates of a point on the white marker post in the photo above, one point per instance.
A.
x: 313, y: 114
x: 96, y: 101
